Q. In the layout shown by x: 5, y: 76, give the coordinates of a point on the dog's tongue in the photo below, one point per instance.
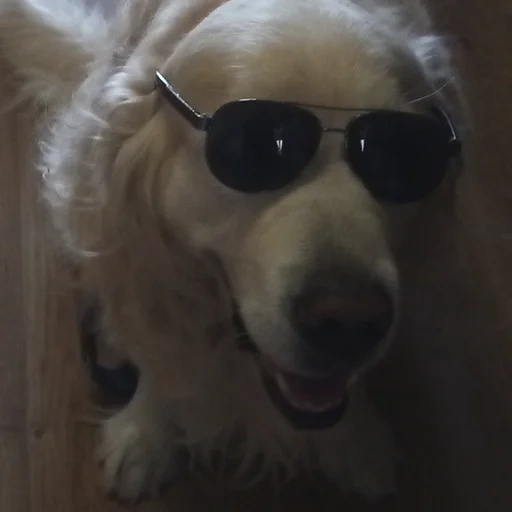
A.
x: 312, y: 394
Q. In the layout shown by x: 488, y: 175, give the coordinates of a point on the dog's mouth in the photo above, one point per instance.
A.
x: 306, y: 402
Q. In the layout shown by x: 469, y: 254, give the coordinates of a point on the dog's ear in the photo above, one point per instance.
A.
x: 146, y: 269
x: 50, y: 45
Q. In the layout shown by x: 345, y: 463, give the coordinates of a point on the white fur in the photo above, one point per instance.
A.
x: 136, y: 207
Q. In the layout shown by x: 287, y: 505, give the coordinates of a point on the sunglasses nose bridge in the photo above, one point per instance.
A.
x: 338, y: 132
x: 333, y: 130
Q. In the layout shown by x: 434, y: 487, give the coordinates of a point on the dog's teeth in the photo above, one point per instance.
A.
x: 301, y: 404
x: 315, y: 408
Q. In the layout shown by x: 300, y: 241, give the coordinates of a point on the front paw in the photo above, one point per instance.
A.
x: 137, y: 459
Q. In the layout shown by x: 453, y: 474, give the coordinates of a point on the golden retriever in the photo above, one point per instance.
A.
x: 236, y: 179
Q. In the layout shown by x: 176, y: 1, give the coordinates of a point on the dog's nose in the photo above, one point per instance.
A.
x: 343, y: 324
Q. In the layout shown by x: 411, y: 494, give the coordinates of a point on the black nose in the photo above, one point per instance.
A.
x: 346, y: 324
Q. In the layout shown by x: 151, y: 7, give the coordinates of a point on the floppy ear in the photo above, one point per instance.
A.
x: 50, y: 45
x: 149, y: 278
x: 107, y: 196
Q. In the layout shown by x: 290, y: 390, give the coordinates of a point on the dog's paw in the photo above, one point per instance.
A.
x: 137, y: 461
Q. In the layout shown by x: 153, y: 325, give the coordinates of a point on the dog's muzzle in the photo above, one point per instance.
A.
x: 339, y: 331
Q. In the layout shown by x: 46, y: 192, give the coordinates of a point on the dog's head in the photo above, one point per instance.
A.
x: 307, y: 246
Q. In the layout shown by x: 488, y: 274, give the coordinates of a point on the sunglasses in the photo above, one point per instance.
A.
x: 263, y: 145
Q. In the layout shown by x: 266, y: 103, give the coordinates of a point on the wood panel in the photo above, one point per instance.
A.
x: 12, y: 340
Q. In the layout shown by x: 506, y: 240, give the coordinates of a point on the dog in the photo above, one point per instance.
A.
x: 236, y: 180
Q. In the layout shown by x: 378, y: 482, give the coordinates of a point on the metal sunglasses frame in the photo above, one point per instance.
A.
x: 201, y: 121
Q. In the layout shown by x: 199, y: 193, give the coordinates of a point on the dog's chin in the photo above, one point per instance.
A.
x: 311, y: 403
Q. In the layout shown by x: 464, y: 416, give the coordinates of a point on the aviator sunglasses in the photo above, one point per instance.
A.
x: 257, y: 145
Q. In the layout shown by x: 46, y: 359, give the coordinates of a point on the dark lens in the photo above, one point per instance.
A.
x: 400, y: 157
x: 254, y: 145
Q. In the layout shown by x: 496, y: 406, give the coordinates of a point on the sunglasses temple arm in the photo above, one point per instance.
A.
x: 455, y: 143
x: 197, y: 120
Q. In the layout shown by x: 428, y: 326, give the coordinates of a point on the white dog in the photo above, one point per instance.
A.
x: 244, y: 252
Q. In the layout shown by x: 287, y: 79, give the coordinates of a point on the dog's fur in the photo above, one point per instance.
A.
x: 165, y: 247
